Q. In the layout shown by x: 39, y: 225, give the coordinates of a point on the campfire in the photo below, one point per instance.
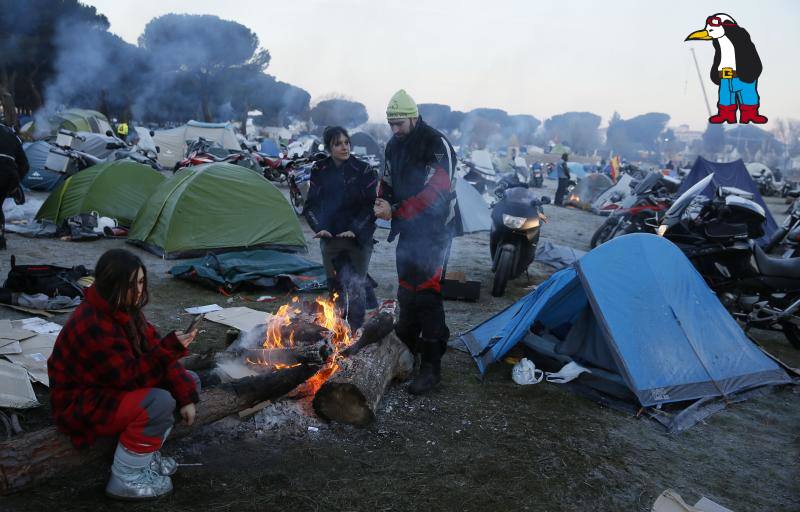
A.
x: 297, y: 326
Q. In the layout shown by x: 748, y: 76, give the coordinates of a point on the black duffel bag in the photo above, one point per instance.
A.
x: 50, y: 280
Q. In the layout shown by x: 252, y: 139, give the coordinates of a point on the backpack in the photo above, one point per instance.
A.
x: 48, y: 279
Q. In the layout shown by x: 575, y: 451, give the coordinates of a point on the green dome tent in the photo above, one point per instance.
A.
x: 112, y: 189
x: 215, y: 208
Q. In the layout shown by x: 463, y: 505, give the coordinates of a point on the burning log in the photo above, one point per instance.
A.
x: 34, y: 457
x: 353, y: 393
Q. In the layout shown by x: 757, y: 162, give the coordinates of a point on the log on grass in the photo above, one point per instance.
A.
x: 31, y: 458
x: 353, y: 393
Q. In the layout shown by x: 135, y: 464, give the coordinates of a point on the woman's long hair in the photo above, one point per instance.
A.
x: 115, y: 280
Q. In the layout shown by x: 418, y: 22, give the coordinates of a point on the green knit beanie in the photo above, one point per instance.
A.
x: 401, y: 106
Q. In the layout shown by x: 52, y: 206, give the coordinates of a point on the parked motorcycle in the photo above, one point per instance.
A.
x: 201, y: 151
x: 719, y: 238
x: 537, y: 177
x: 785, y: 241
x: 767, y: 185
x: 516, y: 219
x: 640, y: 212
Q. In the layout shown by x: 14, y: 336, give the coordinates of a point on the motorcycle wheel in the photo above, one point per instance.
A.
x: 792, y: 333
x: 297, y: 199
x: 503, y: 272
x: 604, y: 232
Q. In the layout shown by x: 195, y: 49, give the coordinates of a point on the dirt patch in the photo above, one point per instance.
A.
x: 469, y: 446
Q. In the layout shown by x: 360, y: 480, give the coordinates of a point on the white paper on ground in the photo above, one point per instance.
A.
x: 706, y: 505
x: 671, y: 501
x: 37, y: 325
x: 241, y: 318
x: 203, y: 309
x: 16, y: 391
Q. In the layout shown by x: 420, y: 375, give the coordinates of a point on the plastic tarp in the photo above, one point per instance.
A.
x: 588, y: 189
x: 730, y: 174
x: 669, y: 336
x: 556, y: 256
x: 269, y: 147
x: 622, y: 188
x: 215, y: 207
x: 113, y: 189
x: 258, y: 268
x: 173, y: 142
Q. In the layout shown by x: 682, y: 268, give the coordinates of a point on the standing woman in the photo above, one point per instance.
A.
x: 339, y: 210
x: 112, y: 374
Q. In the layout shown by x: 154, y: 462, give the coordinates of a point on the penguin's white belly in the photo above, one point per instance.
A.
x: 727, y: 54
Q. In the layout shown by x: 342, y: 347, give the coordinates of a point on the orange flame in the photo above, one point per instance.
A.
x: 327, y: 318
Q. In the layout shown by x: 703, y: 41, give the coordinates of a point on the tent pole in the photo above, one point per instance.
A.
x: 702, y: 85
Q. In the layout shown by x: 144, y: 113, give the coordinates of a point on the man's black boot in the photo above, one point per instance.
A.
x: 430, y: 371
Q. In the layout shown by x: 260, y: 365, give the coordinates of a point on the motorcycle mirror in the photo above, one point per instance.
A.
x: 158, y: 149
x: 152, y: 133
x: 109, y: 133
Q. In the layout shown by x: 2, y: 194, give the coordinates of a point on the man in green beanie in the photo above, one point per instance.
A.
x: 417, y: 193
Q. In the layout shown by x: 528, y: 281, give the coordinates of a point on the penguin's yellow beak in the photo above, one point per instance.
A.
x: 701, y: 35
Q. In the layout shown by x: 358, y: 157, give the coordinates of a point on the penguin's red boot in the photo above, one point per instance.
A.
x: 750, y: 115
x: 726, y: 114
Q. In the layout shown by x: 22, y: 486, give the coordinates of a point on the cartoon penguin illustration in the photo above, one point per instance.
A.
x: 736, y: 69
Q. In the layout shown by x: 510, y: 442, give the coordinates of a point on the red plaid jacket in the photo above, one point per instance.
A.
x: 93, y: 365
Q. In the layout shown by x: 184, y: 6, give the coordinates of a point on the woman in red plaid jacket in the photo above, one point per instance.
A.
x: 111, y: 374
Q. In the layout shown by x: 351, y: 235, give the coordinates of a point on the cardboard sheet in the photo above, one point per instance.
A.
x: 241, y: 318
x: 16, y: 391
x: 34, y: 355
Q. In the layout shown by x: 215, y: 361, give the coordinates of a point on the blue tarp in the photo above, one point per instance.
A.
x: 667, y: 334
x: 729, y: 174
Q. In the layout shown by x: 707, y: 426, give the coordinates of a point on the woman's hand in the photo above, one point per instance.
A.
x: 382, y: 209
x: 346, y: 234
x: 188, y: 413
x: 185, y: 338
x: 323, y: 234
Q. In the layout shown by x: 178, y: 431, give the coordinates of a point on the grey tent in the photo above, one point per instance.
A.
x: 474, y: 212
x: 621, y: 189
x: 589, y: 188
x: 363, y: 144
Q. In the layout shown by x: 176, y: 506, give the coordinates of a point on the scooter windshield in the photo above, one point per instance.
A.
x: 676, y: 210
x: 520, y: 195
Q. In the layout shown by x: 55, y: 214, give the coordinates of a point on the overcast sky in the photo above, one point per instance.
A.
x: 525, y: 57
